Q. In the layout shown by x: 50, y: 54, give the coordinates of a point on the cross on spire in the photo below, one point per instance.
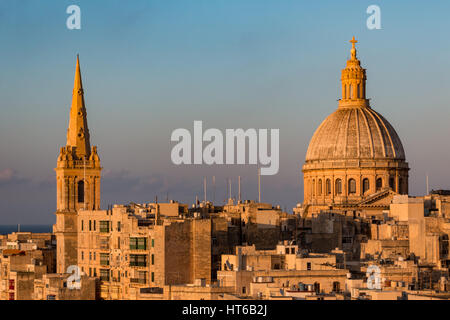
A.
x: 353, y: 41
x: 353, y: 51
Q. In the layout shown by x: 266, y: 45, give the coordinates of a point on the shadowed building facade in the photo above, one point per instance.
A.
x: 77, y: 178
x: 355, y: 155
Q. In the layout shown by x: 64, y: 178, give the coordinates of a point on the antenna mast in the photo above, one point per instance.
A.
x: 239, y: 183
x: 259, y: 184
x: 204, y: 188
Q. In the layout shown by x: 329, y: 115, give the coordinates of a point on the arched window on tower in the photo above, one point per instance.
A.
x: 401, y: 186
x: 328, y: 186
x: 359, y: 88
x: 366, y: 185
x: 338, y: 186
x: 81, y: 191
x: 319, y: 187
x: 351, y: 186
x: 379, y: 184
x: 350, y: 91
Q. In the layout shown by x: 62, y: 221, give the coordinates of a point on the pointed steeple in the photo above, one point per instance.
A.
x: 353, y: 79
x: 78, y: 132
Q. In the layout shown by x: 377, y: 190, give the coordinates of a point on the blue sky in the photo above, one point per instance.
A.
x: 150, y: 67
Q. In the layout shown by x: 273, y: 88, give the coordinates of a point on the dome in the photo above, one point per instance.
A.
x: 355, y: 155
x: 355, y: 133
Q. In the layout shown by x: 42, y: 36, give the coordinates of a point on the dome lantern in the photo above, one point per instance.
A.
x: 353, y: 79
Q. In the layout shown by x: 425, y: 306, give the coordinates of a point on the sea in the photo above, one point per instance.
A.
x: 35, y: 228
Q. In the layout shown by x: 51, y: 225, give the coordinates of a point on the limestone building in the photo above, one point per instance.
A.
x: 355, y: 156
x: 142, y: 245
x: 77, y: 178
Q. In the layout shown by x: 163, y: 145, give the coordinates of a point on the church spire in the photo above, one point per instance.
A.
x: 353, y: 79
x: 78, y: 132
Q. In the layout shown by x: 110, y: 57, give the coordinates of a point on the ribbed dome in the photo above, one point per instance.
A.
x: 355, y: 133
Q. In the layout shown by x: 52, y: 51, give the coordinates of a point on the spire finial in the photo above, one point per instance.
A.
x: 353, y: 51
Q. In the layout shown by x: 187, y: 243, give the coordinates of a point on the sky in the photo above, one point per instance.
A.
x: 150, y: 67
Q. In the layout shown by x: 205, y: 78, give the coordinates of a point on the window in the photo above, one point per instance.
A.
x: 153, y: 277
x: 94, y: 224
x: 104, y: 274
x: 82, y: 225
x: 359, y: 88
x: 138, y: 243
x: 104, y: 259
x: 118, y: 226
x: 351, y: 186
x: 80, y: 191
x: 379, y: 184
x: 82, y: 255
x: 138, y: 260
x: 153, y: 243
x: 351, y: 91
x: 153, y: 259
x: 338, y: 186
x: 366, y: 185
x: 90, y: 225
x: 317, y: 287
x: 336, y: 286
x: 314, y: 187
x: 392, y: 183
x: 328, y: 186
x: 308, y: 266
x: 104, y: 226
x: 142, y: 277
x: 401, y: 186
x: 319, y: 187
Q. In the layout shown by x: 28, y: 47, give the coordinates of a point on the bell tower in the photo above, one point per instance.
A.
x: 77, y: 178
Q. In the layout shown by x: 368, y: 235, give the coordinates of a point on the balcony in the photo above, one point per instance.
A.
x: 138, y: 263
x: 104, y: 277
x: 138, y: 280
